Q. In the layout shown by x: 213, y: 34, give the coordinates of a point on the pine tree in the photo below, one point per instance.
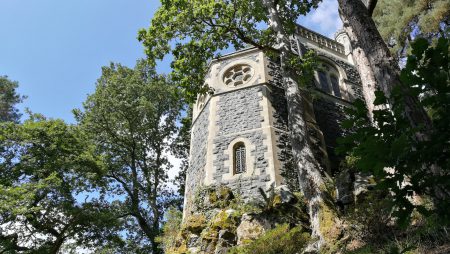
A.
x: 400, y: 21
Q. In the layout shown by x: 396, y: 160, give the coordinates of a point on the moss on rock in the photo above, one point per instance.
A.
x: 329, y: 227
x: 280, y: 240
x: 213, y: 227
x: 194, y: 224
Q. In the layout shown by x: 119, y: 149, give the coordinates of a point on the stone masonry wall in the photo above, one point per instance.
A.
x: 329, y: 117
x: 239, y: 115
x: 196, y: 170
x: 329, y: 110
x: 281, y: 128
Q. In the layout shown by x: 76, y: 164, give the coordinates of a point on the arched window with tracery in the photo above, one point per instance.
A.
x: 328, y: 77
x: 239, y: 158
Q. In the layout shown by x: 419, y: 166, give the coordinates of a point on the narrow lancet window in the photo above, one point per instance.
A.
x: 239, y: 158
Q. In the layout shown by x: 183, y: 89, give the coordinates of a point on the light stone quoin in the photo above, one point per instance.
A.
x: 247, y: 106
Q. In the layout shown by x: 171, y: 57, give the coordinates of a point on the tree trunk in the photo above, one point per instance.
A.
x: 153, y: 198
x: 57, y: 244
x: 370, y: 5
x: 377, y: 68
x: 322, y: 213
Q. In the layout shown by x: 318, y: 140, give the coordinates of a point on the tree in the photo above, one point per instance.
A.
x: 171, y: 230
x: 392, y: 144
x: 181, y: 150
x: 8, y: 99
x: 377, y: 68
x: 44, y: 166
x: 131, y: 118
x: 200, y: 30
x: 398, y: 26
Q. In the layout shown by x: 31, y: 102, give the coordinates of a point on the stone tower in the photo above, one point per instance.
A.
x: 239, y: 132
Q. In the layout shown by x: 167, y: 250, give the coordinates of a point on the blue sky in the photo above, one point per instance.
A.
x: 55, y: 48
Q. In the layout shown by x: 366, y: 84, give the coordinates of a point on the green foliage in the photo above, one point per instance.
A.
x: 280, y: 240
x: 227, y: 220
x: 45, y: 165
x: 271, y: 199
x: 224, y: 220
x: 393, y: 249
x: 292, y: 212
x: 181, y: 151
x: 132, y: 119
x: 171, y: 230
x: 422, y: 18
x: 403, y: 159
x: 226, y: 217
x: 415, y: 239
x: 371, y: 214
x: 304, y: 67
x: 198, y: 31
x: 8, y: 99
x: 221, y: 196
x: 373, y: 230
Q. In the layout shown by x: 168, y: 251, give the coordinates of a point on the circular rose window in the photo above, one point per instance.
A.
x: 238, y: 75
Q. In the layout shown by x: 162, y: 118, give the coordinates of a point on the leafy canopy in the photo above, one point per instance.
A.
x: 132, y: 120
x: 44, y: 166
x: 196, y: 31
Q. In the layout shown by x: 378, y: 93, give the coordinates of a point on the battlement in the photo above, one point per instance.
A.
x: 321, y: 40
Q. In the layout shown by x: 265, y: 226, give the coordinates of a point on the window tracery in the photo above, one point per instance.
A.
x: 238, y: 75
x: 239, y: 158
x: 328, y: 80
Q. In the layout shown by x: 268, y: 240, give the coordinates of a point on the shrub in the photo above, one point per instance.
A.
x: 171, y: 237
x: 280, y: 240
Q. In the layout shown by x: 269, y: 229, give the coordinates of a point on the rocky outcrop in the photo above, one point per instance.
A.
x: 222, y: 220
x: 251, y: 228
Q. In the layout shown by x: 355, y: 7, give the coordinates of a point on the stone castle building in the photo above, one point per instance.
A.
x: 239, y: 132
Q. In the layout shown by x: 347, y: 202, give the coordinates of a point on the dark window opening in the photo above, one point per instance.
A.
x: 328, y: 80
x: 335, y: 84
x: 239, y: 158
x: 324, y: 82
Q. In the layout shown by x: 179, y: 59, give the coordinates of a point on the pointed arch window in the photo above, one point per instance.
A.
x: 239, y: 158
x: 328, y: 80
